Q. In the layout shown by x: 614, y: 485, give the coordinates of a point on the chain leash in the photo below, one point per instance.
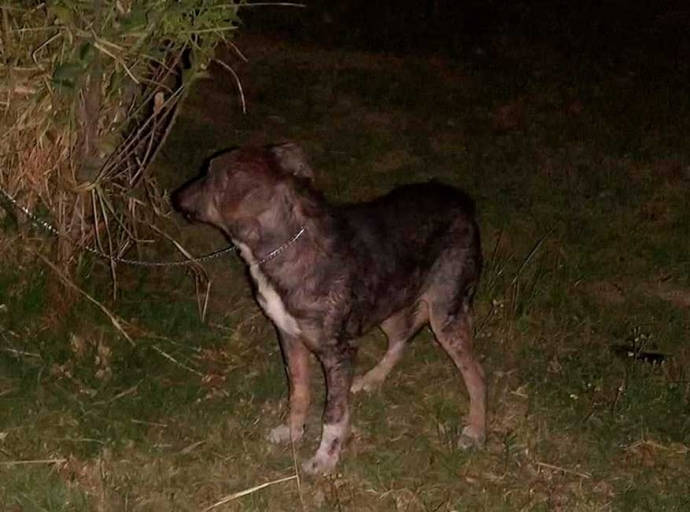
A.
x: 97, y: 252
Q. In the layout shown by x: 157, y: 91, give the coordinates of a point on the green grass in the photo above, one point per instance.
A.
x: 585, y: 223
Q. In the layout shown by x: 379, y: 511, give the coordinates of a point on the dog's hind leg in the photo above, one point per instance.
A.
x: 399, y: 329
x: 296, y: 357
x: 337, y: 366
x: 451, y: 321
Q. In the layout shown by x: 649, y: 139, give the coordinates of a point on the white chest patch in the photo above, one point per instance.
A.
x: 272, y: 304
x: 268, y: 298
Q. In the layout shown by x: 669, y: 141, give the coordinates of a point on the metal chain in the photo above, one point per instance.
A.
x: 280, y: 249
x: 97, y: 252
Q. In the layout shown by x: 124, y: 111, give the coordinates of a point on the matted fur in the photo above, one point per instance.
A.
x: 406, y: 259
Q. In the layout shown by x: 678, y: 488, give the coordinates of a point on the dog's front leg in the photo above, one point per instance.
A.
x: 296, y: 357
x: 337, y: 363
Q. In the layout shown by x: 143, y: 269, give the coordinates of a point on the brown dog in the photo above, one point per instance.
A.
x: 327, y: 274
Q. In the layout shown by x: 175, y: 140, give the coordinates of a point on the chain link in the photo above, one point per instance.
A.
x: 280, y: 249
x: 97, y: 252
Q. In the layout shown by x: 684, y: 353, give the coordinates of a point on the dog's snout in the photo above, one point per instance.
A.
x: 179, y: 201
x: 185, y: 200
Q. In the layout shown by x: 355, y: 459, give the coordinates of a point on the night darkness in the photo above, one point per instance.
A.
x: 605, y: 29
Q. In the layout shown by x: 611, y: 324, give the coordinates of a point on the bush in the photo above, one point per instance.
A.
x: 88, y: 91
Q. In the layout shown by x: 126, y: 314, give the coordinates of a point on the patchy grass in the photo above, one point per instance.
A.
x: 581, y: 176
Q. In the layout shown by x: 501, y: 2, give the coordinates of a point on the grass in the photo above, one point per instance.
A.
x: 581, y: 178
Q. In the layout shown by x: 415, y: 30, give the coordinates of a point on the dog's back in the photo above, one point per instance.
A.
x: 401, y: 242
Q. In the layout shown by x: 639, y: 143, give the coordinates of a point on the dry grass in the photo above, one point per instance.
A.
x: 89, y: 94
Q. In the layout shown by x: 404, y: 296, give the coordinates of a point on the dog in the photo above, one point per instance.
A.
x: 327, y: 274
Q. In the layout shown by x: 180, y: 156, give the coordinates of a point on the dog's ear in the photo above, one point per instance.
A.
x: 291, y: 158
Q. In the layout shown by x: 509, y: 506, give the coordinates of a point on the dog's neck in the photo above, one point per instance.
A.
x: 252, y: 258
x: 274, y: 233
x: 284, y: 227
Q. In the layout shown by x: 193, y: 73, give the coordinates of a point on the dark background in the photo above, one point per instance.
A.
x: 604, y: 29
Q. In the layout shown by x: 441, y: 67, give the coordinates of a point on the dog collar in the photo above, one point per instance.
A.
x: 280, y: 249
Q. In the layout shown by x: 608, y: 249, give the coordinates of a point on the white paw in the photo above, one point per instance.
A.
x: 320, y: 464
x: 282, y: 434
x: 363, y: 384
x: 472, y: 437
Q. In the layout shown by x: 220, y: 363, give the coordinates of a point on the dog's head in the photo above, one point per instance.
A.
x: 244, y: 187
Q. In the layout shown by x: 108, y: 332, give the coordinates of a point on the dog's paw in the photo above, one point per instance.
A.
x: 472, y: 437
x: 284, y: 434
x: 320, y: 464
x: 362, y: 383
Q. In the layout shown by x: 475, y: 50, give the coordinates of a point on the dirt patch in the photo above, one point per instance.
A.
x: 380, y: 120
x: 657, y: 211
x: 302, y: 56
x: 671, y: 172
x: 508, y: 116
x: 603, y: 291
x: 394, y: 160
x: 610, y: 293
x: 449, y: 141
x: 679, y: 297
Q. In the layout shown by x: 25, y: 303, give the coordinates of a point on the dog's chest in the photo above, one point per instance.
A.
x: 272, y: 304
